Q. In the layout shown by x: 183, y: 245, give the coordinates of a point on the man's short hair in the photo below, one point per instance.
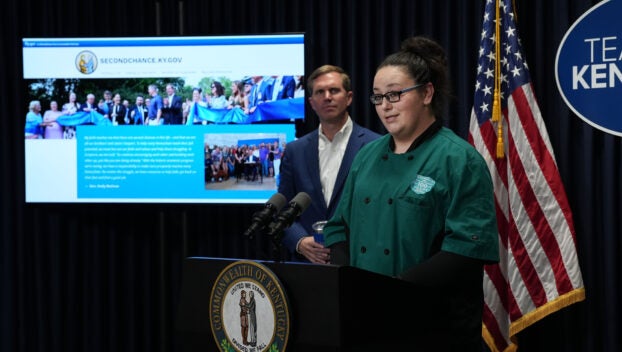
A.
x: 345, y: 78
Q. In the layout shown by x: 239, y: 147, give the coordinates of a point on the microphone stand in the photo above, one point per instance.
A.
x: 278, y: 254
x: 277, y: 251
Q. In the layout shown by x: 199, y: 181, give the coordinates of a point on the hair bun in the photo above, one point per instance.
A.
x: 425, y: 48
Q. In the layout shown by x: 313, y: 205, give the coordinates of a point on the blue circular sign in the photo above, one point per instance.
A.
x: 588, y: 67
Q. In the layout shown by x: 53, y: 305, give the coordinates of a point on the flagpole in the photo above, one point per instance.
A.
x: 496, y: 102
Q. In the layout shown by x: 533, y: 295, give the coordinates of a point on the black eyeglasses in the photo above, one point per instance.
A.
x: 392, y: 97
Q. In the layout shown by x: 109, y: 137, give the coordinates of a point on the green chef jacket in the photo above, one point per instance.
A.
x: 397, y: 210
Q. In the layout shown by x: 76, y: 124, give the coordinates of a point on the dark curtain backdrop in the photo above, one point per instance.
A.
x: 107, y: 277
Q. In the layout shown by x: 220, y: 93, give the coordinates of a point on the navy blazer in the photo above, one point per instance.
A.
x: 286, y: 88
x: 139, y: 119
x: 93, y: 107
x: 300, y: 172
x: 174, y: 111
x: 259, y: 93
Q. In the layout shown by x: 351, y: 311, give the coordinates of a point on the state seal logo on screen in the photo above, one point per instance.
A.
x: 86, y: 62
x: 249, y: 310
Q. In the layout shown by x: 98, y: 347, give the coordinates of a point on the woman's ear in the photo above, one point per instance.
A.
x: 429, y: 93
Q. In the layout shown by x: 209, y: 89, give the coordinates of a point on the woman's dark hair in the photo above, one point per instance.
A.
x: 220, y: 90
x: 425, y: 61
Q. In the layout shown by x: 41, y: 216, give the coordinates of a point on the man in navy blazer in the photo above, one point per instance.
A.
x: 260, y: 93
x: 90, y: 104
x: 174, y: 108
x: 138, y: 115
x: 318, y: 163
x: 282, y: 87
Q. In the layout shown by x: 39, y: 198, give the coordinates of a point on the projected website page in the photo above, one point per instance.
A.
x: 219, y: 151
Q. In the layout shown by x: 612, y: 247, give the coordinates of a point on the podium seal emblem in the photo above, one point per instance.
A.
x: 249, y: 311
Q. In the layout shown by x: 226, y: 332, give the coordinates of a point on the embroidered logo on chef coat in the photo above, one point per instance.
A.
x: 422, y: 184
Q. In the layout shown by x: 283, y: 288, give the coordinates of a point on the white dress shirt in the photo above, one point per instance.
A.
x: 331, y: 154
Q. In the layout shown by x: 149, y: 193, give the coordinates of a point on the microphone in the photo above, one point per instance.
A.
x: 297, y: 206
x: 264, y: 217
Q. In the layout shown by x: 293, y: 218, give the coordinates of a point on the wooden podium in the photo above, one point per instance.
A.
x: 332, y: 309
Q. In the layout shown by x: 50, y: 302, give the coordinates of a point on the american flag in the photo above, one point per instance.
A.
x: 539, y: 271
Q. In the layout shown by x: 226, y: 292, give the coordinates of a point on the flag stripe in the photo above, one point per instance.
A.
x: 526, y: 209
x: 536, y: 214
x: 562, y: 221
x: 530, y: 284
x: 494, y: 330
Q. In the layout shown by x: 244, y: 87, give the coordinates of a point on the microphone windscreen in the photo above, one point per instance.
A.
x: 302, y: 200
x: 278, y: 201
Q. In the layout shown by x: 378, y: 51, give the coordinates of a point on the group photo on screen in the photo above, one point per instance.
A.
x: 243, y: 161
x: 57, y: 106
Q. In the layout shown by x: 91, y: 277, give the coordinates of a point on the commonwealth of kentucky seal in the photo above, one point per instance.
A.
x: 86, y: 62
x: 249, y: 310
